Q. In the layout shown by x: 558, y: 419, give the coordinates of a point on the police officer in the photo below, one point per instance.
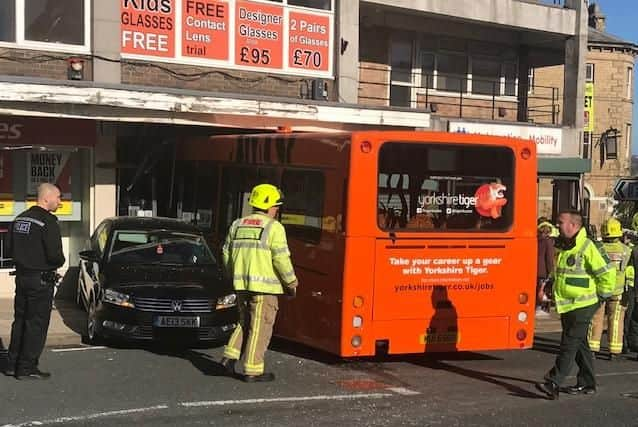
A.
x: 36, y: 247
x: 582, y: 276
x: 615, y: 307
x: 257, y: 257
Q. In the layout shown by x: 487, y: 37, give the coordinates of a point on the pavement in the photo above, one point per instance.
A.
x: 68, y: 322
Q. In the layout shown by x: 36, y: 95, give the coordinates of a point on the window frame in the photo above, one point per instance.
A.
x: 417, y: 69
x: 590, y: 72
x: 630, y: 81
x: 22, y: 43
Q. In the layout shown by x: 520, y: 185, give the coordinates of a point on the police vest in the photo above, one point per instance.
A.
x: 582, y: 274
x: 256, y: 255
x: 620, y: 257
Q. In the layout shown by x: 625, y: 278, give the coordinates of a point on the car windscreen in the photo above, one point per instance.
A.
x: 159, y: 247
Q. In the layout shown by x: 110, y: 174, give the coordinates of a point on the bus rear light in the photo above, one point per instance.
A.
x: 522, y: 317
x: 526, y: 153
x: 521, y: 335
x: 366, y: 147
x: 357, y: 302
x: 356, y: 341
x: 523, y: 298
x: 357, y: 321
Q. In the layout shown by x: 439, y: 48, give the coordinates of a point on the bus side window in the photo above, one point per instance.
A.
x: 304, y: 194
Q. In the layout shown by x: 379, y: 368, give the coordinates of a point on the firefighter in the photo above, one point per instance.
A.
x: 615, y: 307
x: 257, y: 258
x: 582, y: 276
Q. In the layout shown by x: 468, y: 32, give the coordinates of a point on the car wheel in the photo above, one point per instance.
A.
x: 92, y: 330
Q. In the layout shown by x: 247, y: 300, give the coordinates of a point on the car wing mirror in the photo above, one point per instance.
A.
x: 89, y: 255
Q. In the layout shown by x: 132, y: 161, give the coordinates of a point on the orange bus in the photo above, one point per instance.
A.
x: 403, y: 242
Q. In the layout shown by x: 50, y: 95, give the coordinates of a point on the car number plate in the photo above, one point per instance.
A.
x: 176, y: 322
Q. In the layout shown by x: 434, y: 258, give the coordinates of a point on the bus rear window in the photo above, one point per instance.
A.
x: 445, y: 187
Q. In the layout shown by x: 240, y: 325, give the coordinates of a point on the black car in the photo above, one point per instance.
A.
x: 153, y: 278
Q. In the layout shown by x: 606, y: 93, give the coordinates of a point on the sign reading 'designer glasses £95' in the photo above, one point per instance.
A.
x: 240, y: 34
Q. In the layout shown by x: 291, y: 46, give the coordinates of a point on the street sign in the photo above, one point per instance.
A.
x: 626, y: 189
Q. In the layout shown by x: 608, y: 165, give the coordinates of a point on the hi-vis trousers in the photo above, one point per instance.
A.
x: 615, y: 313
x: 249, y: 341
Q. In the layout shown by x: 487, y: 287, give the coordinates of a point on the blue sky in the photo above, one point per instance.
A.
x: 622, y: 17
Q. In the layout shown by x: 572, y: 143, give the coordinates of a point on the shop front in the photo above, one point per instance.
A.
x: 34, y: 150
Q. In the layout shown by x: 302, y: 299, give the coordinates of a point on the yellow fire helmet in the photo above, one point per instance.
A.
x: 634, y: 222
x: 554, y: 230
x: 611, y: 228
x: 265, y: 196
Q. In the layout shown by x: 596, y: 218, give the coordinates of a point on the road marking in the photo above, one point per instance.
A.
x: 286, y: 399
x: 615, y: 374
x: 63, y: 350
x: 403, y: 391
x: 62, y: 420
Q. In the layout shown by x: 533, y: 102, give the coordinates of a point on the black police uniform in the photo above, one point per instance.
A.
x: 35, y: 244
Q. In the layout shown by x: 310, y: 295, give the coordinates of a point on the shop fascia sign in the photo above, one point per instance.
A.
x: 548, y: 140
x: 10, y: 131
x: 235, y: 34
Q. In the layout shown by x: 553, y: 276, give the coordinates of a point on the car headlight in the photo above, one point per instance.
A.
x: 227, y: 301
x: 118, y: 298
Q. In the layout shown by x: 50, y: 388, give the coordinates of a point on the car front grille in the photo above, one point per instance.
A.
x: 165, y: 305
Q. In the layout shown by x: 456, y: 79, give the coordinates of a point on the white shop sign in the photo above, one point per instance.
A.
x: 548, y: 140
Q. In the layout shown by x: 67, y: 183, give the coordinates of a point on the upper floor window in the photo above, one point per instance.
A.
x: 313, y: 4
x: 46, y: 24
x: 589, y: 72
x: 630, y: 78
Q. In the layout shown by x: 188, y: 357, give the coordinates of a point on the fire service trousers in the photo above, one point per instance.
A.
x: 614, y: 311
x: 249, y: 341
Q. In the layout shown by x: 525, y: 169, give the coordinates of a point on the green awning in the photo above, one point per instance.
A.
x: 560, y: 166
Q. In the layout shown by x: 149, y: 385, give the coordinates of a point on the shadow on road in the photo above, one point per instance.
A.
x: 202, y: 361
x: 501, y: 380
x: 550, y: 345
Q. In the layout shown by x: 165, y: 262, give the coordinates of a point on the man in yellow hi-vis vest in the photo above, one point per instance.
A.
x: 257, y: 258
x: 614, y: 308
x: 583, y: 275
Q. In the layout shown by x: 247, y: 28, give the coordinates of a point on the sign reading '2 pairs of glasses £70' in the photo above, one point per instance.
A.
x: 236, y: 34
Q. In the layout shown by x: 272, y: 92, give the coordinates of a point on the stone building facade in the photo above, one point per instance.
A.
x: 610, y: 70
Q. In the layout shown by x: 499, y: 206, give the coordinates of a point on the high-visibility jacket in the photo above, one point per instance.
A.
x: 256, y: 255
x: 620, y: 256
x: 582, y: 274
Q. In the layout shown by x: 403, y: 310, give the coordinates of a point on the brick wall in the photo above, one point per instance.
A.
x: 217, y: 80
x: 32, y: 63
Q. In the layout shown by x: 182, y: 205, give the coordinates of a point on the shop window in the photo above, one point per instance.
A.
x: 302, y: 213
x: 5, y: 260
x: 429, y: 187
x: 7, y: 21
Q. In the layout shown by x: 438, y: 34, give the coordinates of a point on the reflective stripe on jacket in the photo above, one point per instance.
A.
x: 620, y: 256
x: 256, y: 255
x: 582, y: 274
